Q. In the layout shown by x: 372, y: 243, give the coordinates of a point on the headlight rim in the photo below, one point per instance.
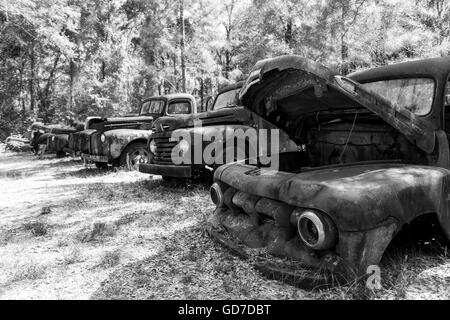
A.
x: 184, y: 143
x: 152, y: 147
x: 218, y: 192
x: 326, y: 229
x: 103, y: 138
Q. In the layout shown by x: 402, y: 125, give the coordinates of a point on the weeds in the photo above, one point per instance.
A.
x: 46, y: 210
x: 126, y: 219
x: 37, y: 228
x: 31, y: 271
x: 110, y: 259
x: 98, y: 232
x: 72, y: 257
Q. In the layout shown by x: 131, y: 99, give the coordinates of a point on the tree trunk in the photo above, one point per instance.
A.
x: 44, y: 96
x: 344, y: 45
x: 21, y: 93
x: 288, y: 33
x: 202, y: 89
x: 31, y: 80
x: 72, y: 76
x: 182, y: 48
x: 175, y: 72
x: 227, y: 64
x: 103, y: 71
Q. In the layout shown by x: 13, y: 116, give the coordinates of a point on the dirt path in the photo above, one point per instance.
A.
x: 70, y: 232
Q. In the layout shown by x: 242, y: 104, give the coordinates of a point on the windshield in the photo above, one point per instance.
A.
x: 153, y: 107
x: 415, y: 95
x: 181, y: 107
x: 225, y: 99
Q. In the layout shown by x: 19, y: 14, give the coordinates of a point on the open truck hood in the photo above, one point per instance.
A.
x: 293, y: 86
x: 132, y: 122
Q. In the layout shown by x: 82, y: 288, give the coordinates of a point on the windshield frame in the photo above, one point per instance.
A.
x: 177, y: 100
x: 153, y: 99
x: 237, y: 89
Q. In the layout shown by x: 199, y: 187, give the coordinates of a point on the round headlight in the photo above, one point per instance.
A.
x: 216, y: 194
x: 152, y: 146
x: 183, y: 146
x: 102, y: 138
x: 316, y: 230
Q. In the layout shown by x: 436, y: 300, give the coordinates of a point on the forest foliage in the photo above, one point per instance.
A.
x: 62, y: 60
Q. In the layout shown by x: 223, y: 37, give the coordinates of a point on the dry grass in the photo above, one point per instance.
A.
x: 110, y: 259
x: 28, y: 271
x: 73, y: 256
x: 70, y: 232
x: 36, y: 228
x: 97, y: 232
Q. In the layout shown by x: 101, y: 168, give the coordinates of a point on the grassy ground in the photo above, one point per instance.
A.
x: 72, y: 232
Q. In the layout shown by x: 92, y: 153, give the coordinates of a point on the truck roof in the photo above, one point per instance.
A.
x: 172, y: 96
x: 436, y: 68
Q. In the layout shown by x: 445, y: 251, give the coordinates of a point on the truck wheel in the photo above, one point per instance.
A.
x: 133, y: 155
x: 101, y: 165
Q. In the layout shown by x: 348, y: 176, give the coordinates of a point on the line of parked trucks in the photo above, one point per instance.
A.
x: 359, y: 158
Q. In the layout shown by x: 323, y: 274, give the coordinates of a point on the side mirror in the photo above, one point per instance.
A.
x: 447, y: 100
x: 209, y: 104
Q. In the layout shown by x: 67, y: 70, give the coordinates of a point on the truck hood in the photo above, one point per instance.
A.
x: 53, y: 128
x: 233, y: 115
x: 127, y: 134
x: 104, y: 124
x: 357, y: 197
x: 293, y: 86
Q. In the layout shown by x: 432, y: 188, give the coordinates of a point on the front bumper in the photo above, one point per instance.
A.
x: 94, y: 158
x: 286, y: 261
x: 287, y: 272
x: 166, y: 170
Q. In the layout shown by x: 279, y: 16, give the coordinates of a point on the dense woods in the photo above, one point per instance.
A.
x: 62, y: 60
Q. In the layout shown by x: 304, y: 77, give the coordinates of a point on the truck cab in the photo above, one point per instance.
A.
x: 122, y: 141
x: 374, y: 158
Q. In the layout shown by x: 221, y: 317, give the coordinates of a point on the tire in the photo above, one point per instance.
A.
x: 133, y: 155
x: 101, y: 165
x: 60, y: 154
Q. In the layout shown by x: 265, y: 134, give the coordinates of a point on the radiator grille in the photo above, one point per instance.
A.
x: 163, y: 150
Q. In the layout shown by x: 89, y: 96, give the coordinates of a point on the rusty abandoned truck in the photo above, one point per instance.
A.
x: 225, y: 118
x: 374, y: 157
x: 58, y: 140
x: 122, y: 141
x: 52, y: 138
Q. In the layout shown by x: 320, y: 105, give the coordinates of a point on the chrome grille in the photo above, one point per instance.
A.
x: 163, y: 150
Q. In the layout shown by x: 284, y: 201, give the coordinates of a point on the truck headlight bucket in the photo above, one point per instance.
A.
x: 183, y: 146
x: 216, y: 194
x: 152, y: 146
x: 316, y: 230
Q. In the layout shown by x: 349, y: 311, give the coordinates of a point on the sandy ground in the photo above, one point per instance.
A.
x: 73, y: 232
